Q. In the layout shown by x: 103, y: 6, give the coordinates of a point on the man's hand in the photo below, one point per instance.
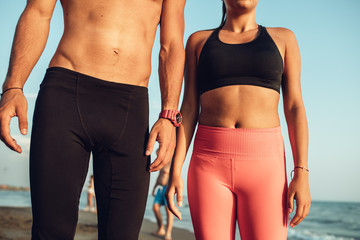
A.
x: 164, y: 133
x: 13, y: 104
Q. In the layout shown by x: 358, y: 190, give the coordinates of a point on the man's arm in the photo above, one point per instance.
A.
x: 171, y: 70
x: 29, y: 42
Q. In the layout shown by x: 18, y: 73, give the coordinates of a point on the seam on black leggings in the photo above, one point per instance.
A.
x: 79, y: 113
x: 109, y: 213
x: 125, y: 123
x: 83, y: 158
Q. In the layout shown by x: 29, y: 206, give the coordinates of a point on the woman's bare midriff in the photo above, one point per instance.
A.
x: 240, y: 106
x: 111, y: 40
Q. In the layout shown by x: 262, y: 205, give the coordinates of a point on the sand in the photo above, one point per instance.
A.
x: 15, y: 224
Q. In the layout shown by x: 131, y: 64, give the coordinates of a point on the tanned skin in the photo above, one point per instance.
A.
x: 107, y: 39
x: 244, y: 106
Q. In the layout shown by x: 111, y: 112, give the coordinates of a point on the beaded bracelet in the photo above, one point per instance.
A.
x: 11, y: 89
x: 302, y: 168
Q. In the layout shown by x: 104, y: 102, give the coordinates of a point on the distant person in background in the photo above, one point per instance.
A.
x: 91, y: 199
x: 159, y: 200
x: 233, y: 78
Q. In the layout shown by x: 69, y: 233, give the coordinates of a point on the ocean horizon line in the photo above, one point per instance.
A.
x: 4, y: 187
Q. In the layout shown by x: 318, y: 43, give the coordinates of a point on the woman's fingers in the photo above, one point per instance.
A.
x: 171, y: 205
x: 179, y: 199
x: 298, y: 216
x: 169, y: 195
x: 291, y: 202
x: 302, y: 210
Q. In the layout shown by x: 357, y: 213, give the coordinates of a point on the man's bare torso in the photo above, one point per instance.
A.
x: 109, y: 39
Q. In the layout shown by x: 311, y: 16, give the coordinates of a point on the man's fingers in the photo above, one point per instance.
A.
x: 23, y: 123
x: 163, y: 157
x: 163, y: 132
x: 12, y: 107
x: 6, y: 137
x: 157, y: 167
x: 151, y: 143
x: 11, y: 143
x: 159, y: 161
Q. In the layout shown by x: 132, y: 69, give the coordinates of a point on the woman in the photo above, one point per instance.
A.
x: 237, y: 170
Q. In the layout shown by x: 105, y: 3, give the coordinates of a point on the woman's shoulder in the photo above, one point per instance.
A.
x: 202, y: 34
x: 281, y: 33
x: 198, y: 38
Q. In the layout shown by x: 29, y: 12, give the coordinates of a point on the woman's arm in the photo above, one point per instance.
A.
x: 190, y: 112
x: 298, y: 128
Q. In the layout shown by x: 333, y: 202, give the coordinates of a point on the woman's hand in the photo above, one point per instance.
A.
x: 299, y: 190
x: 175, y: 186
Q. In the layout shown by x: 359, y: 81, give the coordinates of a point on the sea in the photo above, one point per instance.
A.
x: 326, y: 220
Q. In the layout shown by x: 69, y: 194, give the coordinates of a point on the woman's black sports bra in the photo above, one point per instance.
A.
x: 257, y: 62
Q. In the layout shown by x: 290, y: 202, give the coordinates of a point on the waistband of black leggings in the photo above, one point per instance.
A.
x: 70, y: 74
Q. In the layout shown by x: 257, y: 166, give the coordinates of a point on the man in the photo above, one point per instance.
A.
x: 159, y: 200
x: 94, y: 99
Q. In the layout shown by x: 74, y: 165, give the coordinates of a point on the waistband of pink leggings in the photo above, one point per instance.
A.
x: 246, y: 143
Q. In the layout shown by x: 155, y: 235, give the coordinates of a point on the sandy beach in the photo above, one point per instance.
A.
x: 15, y: 224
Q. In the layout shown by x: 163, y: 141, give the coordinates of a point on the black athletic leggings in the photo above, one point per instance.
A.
x: 76, y: 114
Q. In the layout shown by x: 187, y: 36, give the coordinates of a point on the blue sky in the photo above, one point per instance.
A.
x: 328, y: 36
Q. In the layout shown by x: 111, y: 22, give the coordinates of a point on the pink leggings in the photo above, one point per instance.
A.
x: 238, y: 174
